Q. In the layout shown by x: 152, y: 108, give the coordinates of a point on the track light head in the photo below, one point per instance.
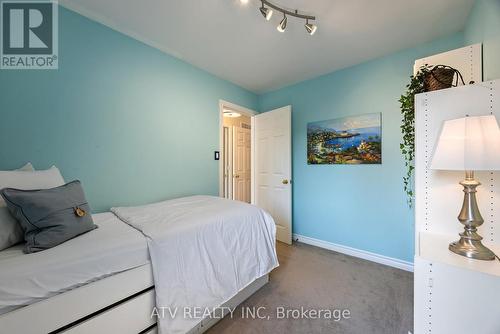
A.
x: 266, y: 12
x: 282, y: 26
x: 266, y: 9
x: 311, y: 28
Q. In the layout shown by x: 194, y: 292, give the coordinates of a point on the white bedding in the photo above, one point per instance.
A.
x: 112, y: 248
x: 204, y: 250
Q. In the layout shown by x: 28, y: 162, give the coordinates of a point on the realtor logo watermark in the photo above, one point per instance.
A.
x: 29, y: 35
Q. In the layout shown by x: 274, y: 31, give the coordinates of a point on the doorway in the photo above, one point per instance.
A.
x: 235, y: 165
x: 255, y: 164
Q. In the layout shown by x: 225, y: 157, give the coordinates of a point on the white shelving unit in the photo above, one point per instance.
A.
x: 434, y: 249
x: 454, y: 294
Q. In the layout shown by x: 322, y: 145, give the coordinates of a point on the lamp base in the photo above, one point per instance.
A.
x: 470, y: 244
x: 472, y: 249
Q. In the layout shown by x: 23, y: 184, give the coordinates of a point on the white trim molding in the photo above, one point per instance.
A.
x: 382, y: 259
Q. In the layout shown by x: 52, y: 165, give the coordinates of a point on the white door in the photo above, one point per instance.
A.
x: 241, y: 164
x: 273, y: 168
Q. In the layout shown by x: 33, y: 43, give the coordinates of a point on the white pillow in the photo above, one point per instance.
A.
x: 39, y: 179
x: 10, y: 230
x: 27, y: 168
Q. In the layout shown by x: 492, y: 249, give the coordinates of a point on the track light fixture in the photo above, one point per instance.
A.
x: 311, y: 28
x: 282, y: 26
x: 267, y: 12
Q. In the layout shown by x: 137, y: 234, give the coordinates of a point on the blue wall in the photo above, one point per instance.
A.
x: 361, y: 206
x: 134, y: 124
x: 483, y: 26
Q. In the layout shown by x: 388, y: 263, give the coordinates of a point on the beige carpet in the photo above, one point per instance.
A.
x: 379, y: 298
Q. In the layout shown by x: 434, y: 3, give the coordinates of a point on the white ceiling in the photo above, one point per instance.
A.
x: 234, y: 42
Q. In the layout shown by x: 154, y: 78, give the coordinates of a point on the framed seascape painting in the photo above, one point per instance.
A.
x: 351, y: 140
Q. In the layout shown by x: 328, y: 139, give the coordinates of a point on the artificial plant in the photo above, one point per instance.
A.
x: 407, y: 100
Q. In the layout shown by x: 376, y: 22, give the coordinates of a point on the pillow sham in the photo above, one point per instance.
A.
x: 27, y: 168
x: 39, y: 179
x: 11, y: 232
x: 50, y: 217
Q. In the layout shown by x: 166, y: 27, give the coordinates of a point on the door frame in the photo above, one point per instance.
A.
x: 244, y: 111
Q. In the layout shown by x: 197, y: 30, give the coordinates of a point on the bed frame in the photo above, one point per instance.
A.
x: 121, y: 303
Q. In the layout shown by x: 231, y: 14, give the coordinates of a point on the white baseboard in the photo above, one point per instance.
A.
x: 388, y: 261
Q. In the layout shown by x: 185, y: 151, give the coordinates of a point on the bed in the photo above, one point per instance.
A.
x: 112, y: 248
x: 104, y: 281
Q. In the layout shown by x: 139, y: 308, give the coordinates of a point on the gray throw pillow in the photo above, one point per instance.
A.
x: 49, y: 217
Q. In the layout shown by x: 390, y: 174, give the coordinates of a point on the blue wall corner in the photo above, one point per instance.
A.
x: 132, y: 123
x: 483, y: 26
x: 360, y: 206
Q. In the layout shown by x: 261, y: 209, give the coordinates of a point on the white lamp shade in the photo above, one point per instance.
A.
x: 468, y: 144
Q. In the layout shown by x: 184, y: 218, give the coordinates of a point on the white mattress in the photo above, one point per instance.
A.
x: 220, y: 247
x: 112, y: 248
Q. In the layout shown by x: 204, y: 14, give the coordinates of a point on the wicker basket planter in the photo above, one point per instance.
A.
x: 442, y: 77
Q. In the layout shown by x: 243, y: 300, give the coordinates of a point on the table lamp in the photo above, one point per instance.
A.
x: 469, y: 144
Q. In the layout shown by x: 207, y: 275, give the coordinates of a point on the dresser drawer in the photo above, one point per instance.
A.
x: 129, y: 317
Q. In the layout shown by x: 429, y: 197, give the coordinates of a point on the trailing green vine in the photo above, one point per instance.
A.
x: 407, y: 146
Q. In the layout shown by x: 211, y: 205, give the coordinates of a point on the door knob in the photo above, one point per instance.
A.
x: 284, y: 181
x: 236, y: 176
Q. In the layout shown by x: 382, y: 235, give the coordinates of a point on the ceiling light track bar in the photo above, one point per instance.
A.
x: 288, y: 12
